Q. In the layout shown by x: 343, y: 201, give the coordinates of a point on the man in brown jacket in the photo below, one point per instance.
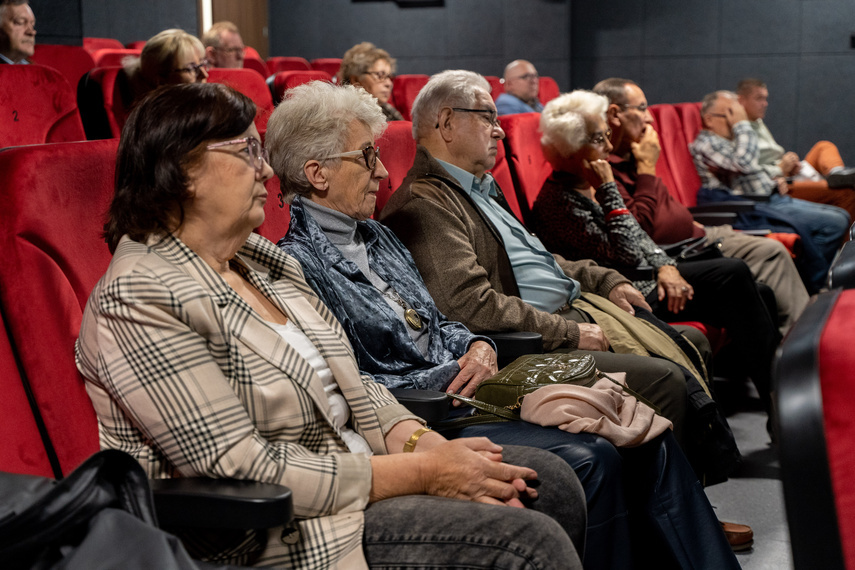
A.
x: 481, y: 265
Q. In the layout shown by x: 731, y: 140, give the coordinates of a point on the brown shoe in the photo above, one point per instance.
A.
x: 739, y: 536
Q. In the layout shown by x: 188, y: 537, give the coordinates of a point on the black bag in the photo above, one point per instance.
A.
x: 100, y: 516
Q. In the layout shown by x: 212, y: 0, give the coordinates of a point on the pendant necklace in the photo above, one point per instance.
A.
x: 413, y: 319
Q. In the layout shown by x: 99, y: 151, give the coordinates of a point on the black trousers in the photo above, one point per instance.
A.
x: 727, y: 296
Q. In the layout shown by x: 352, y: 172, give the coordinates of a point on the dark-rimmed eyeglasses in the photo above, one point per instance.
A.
x: 490, y: 114
x: 600, y: 138
x: 640, y: 108
x: 194, y: 68
x: 527, y: 77
x: 381, y: 75
x: 257, y: 154
x: 369, y: 154
x: 720, y: 115
x: 232, y: 50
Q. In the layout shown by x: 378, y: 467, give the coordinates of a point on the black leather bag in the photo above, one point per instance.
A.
x: 100, y: 516
x: 694, y: 249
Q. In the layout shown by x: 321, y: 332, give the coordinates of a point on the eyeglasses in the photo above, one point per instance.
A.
x: 599, y: 139
x: 369, y: 153
x: 194, y: 68
x: 489, y: 114
x: 640, y: 108
x: 380, y: 75
x: 720, y: 115
x: 257, y: 154
x: 528, y: 77
x: 232, y: 50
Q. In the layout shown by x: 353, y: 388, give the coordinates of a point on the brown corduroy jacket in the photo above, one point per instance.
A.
x: 463, y: 260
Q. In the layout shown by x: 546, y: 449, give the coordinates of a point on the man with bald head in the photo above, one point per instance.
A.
x: 17, y: 31
x: 521, y: 86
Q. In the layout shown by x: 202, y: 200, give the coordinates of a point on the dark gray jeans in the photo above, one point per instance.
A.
x: 432, y: 532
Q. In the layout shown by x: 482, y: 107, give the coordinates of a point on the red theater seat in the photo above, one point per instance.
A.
x: 548, y: 90
x: 284, y: 80
x: 496, y: 85
x: 256, y: 64
x: 278, y: 63
x: 138, y: 44
x: 110, y: 57
x: 38, y: 106
x: 528, y: 166
x: 72, y: 61
x: 105, y: 98
x: 94, y: 44
x: 397, y: 151
x: 814, y: 375
x: 250, y: 84
x: 404, y: 91
x: 52, y: 204
x: 682, y: 178
x: 329, y: 64
x: 277, y: 214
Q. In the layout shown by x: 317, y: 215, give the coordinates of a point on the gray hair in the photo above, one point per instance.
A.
x: 562, y: 121
x: 452, y: 88
x: 213, y: 37
x: 5, y: 3
x: 313, y: 121
x: 710, y: 99
x: 614, y: 88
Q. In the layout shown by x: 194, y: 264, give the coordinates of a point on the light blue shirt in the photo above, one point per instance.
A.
x: 541, y: 281
x: 7, y: 60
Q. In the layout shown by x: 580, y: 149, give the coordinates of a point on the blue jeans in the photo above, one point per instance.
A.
x: 646, y: 508
x: 434, y: 532
x: 826, y: 224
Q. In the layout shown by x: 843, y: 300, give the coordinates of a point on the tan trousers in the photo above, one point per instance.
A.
x: 770, y: 263
x: 824, y: 156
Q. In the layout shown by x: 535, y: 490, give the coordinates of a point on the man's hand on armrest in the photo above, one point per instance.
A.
x: 625, y: 296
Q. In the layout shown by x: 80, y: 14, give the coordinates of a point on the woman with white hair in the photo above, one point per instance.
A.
x: 368, y: 279
x: 579, y: 213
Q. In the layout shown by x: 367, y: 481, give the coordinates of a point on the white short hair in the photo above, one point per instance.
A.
x: 313, y: 121
x: 451, y: 88
x: 562, y: 120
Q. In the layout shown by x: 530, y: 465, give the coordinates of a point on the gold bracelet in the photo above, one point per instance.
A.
x: 411, y: 443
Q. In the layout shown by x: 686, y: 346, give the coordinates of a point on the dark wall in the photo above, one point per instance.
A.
x: 67, y: 21
x: 679, y: 51
x: 481, y: 35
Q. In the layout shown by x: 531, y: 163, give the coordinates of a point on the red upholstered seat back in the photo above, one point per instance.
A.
x: 502, y: 175
x: 528, y: 166
x: 837, y: 375
x: 276, y: 64
x: 404, y: 91
x: 250, y: 84
x: 52, y: 204
x: 690, y: 117
x: 105, y: 99
x: 329, y: 64
x: 38, y: 106
x: 548, y: 90
x: 277, y: 213
x: 496, y: 86
x: 284, y: 80
x: 109, y: 57
x: 256, y: 64
x: 684, y: 181
x: 397, y: 152
x: 94, y: 44
x: 22, y: 450
x: 136, y: 44
x: 72, y: 61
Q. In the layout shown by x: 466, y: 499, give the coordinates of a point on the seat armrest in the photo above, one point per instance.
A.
x: 512, y: 345
x: 430, y: 405
x: 714, y: 218
x: 734, y: 206
x: 200, y: 502
x: 637, y: 273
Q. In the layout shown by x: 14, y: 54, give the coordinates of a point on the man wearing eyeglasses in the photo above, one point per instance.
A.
x: 666, y: 220
x: 481, y: 265
x: 17, y: 32
x: 725, y: 153
x: 521, y: 86
x: 223, y: 45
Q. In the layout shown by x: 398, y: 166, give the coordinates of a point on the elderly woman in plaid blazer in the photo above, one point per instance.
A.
x: 206, y: 354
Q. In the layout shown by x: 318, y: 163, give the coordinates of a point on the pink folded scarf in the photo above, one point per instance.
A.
x: 602, y: 409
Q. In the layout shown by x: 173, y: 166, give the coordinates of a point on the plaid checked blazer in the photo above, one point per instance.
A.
x: 188, y: 379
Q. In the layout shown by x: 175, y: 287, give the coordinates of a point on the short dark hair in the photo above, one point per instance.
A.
x: 164, y: 137
x: 614, y: 89
x: 747, y: 85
